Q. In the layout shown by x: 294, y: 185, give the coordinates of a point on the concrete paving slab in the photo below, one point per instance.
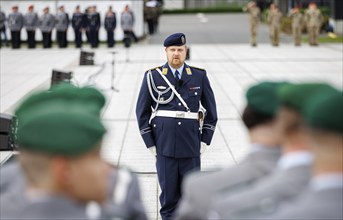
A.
x: 231, y: 68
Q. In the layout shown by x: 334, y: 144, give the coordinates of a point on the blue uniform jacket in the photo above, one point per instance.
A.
x: 78, y: 21
x: 176, y: 137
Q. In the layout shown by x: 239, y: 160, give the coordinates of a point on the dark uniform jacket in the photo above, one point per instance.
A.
x: 78, y: 21
x: 93, y: 21
x: 177, y: 137
x: 110, y: 22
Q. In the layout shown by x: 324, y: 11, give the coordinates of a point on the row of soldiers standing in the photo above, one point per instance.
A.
x: 312, y: 17
x: 88, y: 22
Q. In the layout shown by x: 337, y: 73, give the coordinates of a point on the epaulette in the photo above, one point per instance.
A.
x: 154, y: 68
x: 198, y: 68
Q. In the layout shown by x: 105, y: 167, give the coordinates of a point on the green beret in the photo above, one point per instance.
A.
x: 262, y: 97
x: 326, y: 112
x: 62, y: 121
x: 297, y: 96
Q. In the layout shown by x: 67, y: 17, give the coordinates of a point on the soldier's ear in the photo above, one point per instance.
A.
x: 60, y: 170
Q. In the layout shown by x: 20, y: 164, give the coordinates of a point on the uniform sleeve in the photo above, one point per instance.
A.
x: 36, y: 22
x: 68, y: 20
x: 143, y: 113
x: 21, y: 21
x: 114, y: 21
x: 53, y: 22
x: 209, y: 103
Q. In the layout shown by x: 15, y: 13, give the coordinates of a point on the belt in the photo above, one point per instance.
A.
x: 177, y: 114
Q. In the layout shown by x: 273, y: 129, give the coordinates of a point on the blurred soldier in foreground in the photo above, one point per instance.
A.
x: 314, y: 20
x: 60, y: 135
x: 62, y: 23
x: 110, y: 26
x: 274, y: 21
x: 171, y: 107
x: 293, y: 170
x: 46, y: 25
x: 77, y: 23
x: 3, y: 28
x: 31, y: 23
x: 259, y: 118
x: 323, y: 197
x: 254, y: 21
x: 15, y: 24
x: 297, y: 24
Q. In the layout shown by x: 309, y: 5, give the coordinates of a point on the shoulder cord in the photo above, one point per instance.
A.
x: 174, y: 90
x: 151, y: 83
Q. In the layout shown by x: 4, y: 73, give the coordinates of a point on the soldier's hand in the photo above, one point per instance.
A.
x: 153, y: 150
x: 203, y: 147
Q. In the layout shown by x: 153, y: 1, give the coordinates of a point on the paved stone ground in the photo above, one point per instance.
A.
x: 220, y: 28
x: 219, y: 43
x: 231, y: 69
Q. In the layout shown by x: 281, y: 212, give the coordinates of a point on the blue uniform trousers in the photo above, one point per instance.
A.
x: 110, y: 38
x: 171, y: 172
x: 78, y: 38
x: 93, y: 38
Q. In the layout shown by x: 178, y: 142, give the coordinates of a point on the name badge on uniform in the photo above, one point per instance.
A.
x: 164, y: 71
x: 188, y: 71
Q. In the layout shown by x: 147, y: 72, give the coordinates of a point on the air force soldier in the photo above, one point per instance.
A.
x: 31, y: 24
x: 176, y: 113
x: 15, y: 24
x: 62, y: 23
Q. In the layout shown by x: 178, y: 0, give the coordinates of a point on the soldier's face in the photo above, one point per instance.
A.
x: 176, y: 55
x: 88, y: 177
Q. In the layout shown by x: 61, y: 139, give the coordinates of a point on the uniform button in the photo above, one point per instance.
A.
x: 179, y: 123
x: 154, y: 125
x: 179, y: 104
x: 195, y: 93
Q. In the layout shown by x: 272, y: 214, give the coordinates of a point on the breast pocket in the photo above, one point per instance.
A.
x: 193, y: 100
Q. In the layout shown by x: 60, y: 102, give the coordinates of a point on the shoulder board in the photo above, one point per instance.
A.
x: 198, y: 68
x: 154, y: 68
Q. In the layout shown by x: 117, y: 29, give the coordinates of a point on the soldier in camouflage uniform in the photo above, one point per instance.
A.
x: 297, y: 24
x: 62, y: 23
x: 274, y: 21
x: 15, y: 24
x: 47, y: 24
x: 314, y: 20
x: 254, y: 21
x: 31, y: 24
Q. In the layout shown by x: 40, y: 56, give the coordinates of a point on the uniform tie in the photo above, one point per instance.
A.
x: 177, y: 76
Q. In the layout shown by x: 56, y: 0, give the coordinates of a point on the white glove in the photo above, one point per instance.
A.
x: 153, y: 151
x: 203, y: 147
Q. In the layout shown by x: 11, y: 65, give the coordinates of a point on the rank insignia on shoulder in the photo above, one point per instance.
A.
x: 198, y: 68
x: 164, y: 71
x: 188, y: 71
x: 157, y: 67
